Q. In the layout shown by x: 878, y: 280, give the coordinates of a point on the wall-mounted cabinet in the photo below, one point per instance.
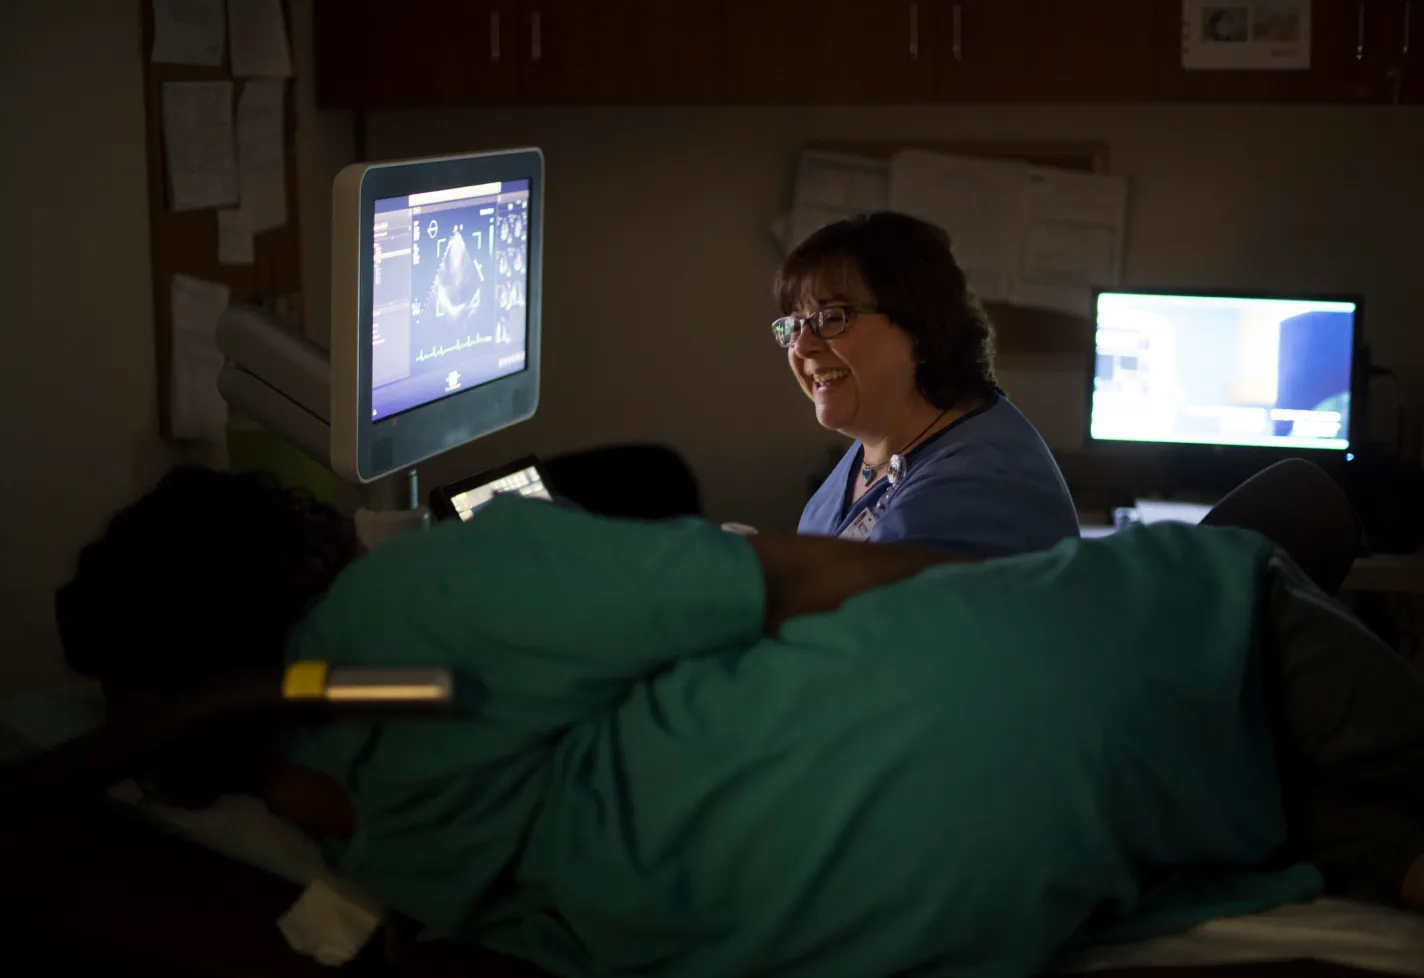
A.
x: 829, y: 52
x: 832, y: 52
x: 1404, y: 51
x: 1044, y: 51
x: 376, y: 54
x: 625, y: 52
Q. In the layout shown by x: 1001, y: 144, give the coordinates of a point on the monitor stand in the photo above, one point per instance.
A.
x: 391, y: 507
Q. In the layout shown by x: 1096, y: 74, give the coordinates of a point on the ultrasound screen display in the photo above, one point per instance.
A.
x: 449, y: 286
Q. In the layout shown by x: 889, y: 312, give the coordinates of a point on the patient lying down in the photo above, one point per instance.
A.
x: 685, y: 752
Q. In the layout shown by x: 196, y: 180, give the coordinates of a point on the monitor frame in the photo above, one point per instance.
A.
x: 1248, y: 454
x: 363, y: 450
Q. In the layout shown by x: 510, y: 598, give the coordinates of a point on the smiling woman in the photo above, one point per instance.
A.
x: 884, y: 336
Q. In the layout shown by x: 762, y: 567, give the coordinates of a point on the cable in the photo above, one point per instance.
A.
x: 1377, y: 371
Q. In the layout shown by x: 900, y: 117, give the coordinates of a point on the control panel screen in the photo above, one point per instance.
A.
x: 526, y: 482
x: 449, y: 288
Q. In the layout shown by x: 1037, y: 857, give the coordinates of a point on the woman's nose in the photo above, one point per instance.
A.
x: 806, y: 341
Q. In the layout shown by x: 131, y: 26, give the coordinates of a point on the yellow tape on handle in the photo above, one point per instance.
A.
x: 305, y: 681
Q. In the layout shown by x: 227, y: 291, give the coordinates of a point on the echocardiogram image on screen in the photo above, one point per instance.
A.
x: 449, y: 291
x: 1203, y: 370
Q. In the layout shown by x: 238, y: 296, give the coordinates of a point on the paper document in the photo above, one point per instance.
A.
x: 977, y: 201
x: 198, y: 410
x: 198, y: 144
x: 840, y: 181
x: 1072, y: 238
x: 1031, y: 236
x: 188, y: 32
x: 1236, y: 35
x: 832, y: 186
x: 257, y: 36
x: 235, y: 245
x: 807, y: 220
x: 261, y: 156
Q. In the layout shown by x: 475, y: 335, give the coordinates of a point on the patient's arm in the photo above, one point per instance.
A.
x: 805, y: 575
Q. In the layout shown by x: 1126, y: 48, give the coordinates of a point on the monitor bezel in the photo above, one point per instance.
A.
x: 1233, y: 453
x: 363, y: 450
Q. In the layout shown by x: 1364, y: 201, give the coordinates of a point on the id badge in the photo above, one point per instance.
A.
x: 861, y: 526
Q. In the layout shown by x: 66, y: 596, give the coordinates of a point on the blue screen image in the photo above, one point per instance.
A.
x: 1223, y: 371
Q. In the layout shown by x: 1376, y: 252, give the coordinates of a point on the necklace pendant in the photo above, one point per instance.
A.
x: 897, y: 468
x: 867, y: 473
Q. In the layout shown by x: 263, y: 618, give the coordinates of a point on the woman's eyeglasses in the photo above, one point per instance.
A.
x: 825, y: 324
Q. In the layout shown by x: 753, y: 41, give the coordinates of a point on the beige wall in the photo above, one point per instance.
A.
x: 78, y: 408
x: 657, y: 262
x: 657, y: 254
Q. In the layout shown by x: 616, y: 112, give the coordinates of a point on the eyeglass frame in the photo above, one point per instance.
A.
x: 816, y: 321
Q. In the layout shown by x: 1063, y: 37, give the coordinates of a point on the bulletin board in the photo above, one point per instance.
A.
x: 1021, y: 334
x: 186, y: 242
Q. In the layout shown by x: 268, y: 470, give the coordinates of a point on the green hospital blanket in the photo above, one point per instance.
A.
x: 963, y: 774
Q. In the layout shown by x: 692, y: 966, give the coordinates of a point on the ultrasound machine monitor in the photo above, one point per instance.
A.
x: 1224, y: 371
x: 460, y: 500
x: 435, y: 312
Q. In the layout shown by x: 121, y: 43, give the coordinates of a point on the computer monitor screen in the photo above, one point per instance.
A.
x: 436, y: 265
x: 1223, y: 370
x: 448, y: 292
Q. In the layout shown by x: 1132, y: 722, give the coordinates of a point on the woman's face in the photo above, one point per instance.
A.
x: 862, y: 381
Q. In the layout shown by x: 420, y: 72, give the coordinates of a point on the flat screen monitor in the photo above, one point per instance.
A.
x: 1224, y: 371
x: 436, y: 271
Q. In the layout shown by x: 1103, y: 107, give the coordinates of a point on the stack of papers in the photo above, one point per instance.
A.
x: 1026, y: 235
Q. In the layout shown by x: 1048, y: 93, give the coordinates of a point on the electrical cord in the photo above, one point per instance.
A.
x: 1378, y: 371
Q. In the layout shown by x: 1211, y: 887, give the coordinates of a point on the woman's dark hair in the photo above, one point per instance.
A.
x: 204, y: 575
x: 907, y: 265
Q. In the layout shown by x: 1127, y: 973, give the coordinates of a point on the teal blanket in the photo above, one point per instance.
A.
x: 962, y: 774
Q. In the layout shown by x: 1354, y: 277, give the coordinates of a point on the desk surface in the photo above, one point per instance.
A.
x: 1395, y: 573
x: 1398, y: 573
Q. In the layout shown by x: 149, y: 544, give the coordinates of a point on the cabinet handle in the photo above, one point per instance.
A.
x: 494, y: 36
x: 914, y: 32
x: 536, y: 39
x: 1360, y: 30
x: 958, y: 47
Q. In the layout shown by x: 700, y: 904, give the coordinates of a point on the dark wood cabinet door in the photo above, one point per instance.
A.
x: 620, y: 52
x: 1404, y: 72
x: 830, y: 52
x: 1044, y: 51
x: 1348, y: 60
x: 376, y: 54
x: 384, y: 54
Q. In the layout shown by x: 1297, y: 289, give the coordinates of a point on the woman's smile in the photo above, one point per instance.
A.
x: 826, y: 381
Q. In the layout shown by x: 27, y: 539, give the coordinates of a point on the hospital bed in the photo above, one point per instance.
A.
x: 128, y: 884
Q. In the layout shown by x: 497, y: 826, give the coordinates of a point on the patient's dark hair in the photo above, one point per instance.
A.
x: 204, y: 575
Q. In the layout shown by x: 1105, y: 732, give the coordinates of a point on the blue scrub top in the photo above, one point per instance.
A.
x: 986, y: 486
